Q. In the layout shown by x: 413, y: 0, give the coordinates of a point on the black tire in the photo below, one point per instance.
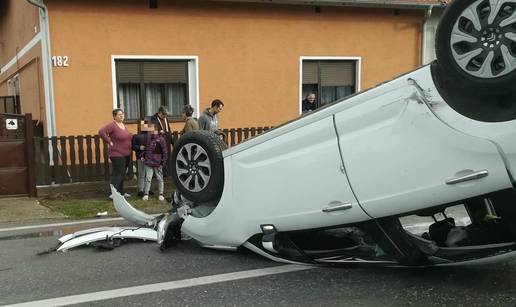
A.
x: 198, y: 166
x: 478, y: 72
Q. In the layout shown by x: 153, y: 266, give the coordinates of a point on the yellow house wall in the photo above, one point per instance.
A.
x: 19, y: 22
x: 248, y: 54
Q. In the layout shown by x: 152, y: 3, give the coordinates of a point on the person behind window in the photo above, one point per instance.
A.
x: 308, y: 104
x: 191, y: 123
x: 118, y: 138
x: 154, y: 157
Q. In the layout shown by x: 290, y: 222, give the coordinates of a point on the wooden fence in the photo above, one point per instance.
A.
x: 67, y: 159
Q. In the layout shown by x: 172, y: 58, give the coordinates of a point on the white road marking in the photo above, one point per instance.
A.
x: 164, y: 286
x: 61, y: 224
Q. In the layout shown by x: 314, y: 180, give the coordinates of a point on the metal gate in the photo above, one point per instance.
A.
x: 17, y: 176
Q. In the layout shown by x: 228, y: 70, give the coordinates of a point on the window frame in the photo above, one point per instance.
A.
x: 358, y: 68
x: 192, y: 78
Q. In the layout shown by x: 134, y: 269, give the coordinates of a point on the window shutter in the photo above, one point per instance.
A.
x: 128, y: 72
x: 310, y: 75
x: 337, y: 73
x: 164, y: 72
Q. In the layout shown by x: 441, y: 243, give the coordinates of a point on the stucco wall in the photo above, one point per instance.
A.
x: 248, y: 54
x: 19, y: 24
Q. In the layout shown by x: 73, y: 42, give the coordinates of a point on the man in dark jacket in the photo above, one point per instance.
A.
x: 308, y: 104
x: 162, y: 125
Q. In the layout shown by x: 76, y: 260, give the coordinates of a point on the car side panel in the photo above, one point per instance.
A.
x: 503, y: 134
x: 398, y: 155
x: 286, y: 181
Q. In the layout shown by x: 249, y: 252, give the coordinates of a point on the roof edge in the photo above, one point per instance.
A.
x: 350, y: 3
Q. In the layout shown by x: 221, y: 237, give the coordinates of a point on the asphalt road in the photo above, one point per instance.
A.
x: 26, y: 276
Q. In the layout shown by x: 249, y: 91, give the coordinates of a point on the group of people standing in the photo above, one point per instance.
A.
x: 151, y: 145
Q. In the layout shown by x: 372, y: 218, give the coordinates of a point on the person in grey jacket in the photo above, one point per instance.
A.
x: 209, y: 119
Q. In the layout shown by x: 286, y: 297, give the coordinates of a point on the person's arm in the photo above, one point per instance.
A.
x: 105, y: 133
x: 134, y: 143
x: 188, y: 126
x: 148, y: 151
x: 203, y: 123
x: 168, y: 126
x: 164, y: 156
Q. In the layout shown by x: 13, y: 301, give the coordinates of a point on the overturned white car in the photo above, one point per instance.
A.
x: 331, y: 186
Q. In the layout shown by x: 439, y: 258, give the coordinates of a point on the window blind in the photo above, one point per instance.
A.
x: 164, y: 72
x: 310, y: 75
x: 337, y: 73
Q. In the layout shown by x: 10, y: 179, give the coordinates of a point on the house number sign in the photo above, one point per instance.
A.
x: 60, y: 61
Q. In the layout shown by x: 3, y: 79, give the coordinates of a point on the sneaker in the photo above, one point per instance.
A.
x: 161, y: 198
x: 127, y: 195
x: 140, y: 194
x: 145, y: 197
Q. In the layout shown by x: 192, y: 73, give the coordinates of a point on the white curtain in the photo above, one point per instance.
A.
x: 176, y: 95
x: 153, y: 98
x: 172, y: 96
x: 330, y: 94
x: 129, y: 97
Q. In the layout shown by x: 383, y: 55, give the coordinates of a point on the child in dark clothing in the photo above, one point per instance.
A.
x: 154, y: 157
x: 138, y: 145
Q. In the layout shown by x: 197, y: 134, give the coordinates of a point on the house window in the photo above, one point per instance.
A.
x: 330, y: 80
x: 144, y: 85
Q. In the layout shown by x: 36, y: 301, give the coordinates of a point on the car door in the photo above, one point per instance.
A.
x: 294, y: 179
x: 400, y: 158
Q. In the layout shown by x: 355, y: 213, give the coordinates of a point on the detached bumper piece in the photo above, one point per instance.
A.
x: 107, y: 237
x: 111, y: 237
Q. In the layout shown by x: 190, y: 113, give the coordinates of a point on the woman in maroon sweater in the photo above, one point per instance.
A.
x: 115, y: 134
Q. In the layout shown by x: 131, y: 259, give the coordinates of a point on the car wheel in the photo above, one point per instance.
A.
x: 476, y: 44
x: 198, y: 166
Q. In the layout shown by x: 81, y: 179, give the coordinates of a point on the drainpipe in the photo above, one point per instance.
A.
x: 424, y: 45
x: 47, y: 67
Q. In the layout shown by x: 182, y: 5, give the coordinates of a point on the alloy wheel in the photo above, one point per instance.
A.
x: 483, y: 39
x: 193, y: 167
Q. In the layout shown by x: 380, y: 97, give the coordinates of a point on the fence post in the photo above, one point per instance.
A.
x: 46, y: 160
x: 232, y: 133
x: 225, y: 133
x: 55, y: 169
x: 64, y: 160
x: 73, y: 167
x: 246, y: 133
x: 29, y: 139
x: 98, y: 169
x: 37, y: 160
x: 106, y: 160
x: 89, y: 158
x: 80, y: 149
x: 175, y: 137
x: 239, y: 135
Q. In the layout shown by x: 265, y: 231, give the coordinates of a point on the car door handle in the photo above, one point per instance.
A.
x: 468, y: 177
x: 337, y: 206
